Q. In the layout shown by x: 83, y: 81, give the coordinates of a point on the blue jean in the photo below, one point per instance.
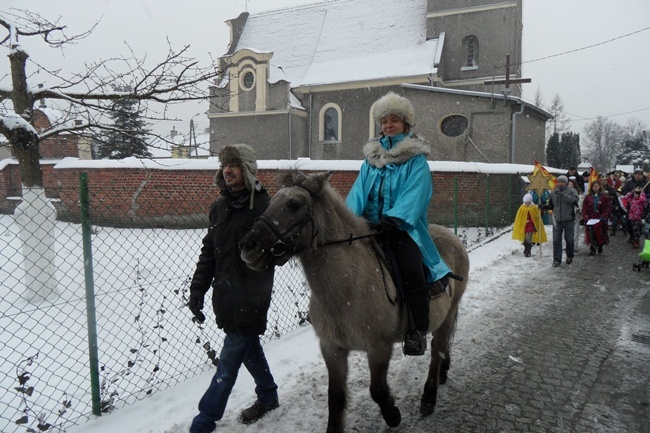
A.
x: 237, y: 350
x: 560, y: 227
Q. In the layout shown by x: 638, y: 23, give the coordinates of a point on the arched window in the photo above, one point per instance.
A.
x: 374, y: 129
x: 330, y: 123
x: 470, y: 47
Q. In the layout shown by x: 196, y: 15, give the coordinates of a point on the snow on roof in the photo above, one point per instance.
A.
x: 343, y: 40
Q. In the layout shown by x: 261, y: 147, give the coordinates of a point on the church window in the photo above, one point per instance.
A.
x: 248, y: 80
x: 375, y: 129
x: 470, y: 46
x: 454, y: 125
x: 330, y: 123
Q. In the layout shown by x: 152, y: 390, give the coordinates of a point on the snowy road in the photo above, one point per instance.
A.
x: 538, y: 349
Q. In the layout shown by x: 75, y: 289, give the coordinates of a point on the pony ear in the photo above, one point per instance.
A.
x: 290, y: 179
x: 317, y: 182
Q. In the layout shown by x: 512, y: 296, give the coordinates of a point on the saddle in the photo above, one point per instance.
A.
x: 435, y: 289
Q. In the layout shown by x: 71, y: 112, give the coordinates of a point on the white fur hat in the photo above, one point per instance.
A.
x: 392, y: 103
x: 528, y: 198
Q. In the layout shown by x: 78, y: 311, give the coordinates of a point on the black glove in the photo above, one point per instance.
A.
x: 196, y: 305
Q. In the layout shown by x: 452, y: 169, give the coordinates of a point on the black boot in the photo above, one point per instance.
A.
x: 415, y: 341
x: 527, y: 248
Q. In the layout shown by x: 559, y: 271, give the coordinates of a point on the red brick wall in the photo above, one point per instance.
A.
x: 58, y: 146
x: 9, y: 187
x: 139, y: 197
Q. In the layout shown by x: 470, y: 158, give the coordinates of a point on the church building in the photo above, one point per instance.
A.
x: 301, y: 81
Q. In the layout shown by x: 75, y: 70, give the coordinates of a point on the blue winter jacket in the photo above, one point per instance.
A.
x: 395, y: 181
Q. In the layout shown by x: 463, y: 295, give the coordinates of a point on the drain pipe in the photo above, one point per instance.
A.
x: 289, y: 131
x: 311, y: 108
x: 513, y: 132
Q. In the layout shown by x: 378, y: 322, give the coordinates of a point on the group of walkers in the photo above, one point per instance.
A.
x: 599, y: 208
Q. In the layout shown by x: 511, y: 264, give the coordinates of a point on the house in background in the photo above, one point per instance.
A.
x: 301, y: 82
x: 60, y: 145
x: 193, y: 145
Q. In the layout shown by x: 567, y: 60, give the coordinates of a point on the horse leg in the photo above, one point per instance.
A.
x: 336, y: 360
x: 440, y: 362
x: 378, y: 361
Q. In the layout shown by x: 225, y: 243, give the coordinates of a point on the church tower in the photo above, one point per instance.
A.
x: 478, y: 35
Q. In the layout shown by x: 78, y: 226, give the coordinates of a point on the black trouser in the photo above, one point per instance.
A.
x: 409, y: 260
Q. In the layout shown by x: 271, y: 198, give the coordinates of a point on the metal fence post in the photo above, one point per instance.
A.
x: 90, y: 294
x: 456, y: 204
x: 487, y: 204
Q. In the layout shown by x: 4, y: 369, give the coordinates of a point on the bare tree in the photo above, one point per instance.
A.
x: 86, y: 100
x: 539, y: 99
x: 603, y: 138
x: 87, y: 96
x: 559, y: 122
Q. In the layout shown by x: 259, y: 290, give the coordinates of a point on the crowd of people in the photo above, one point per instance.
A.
x: 586, y: 212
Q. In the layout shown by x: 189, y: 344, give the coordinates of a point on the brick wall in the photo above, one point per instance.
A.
x: 9, y: 187
x: 172, y: 198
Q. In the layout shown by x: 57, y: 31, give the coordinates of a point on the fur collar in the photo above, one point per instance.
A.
x: 406, y: 149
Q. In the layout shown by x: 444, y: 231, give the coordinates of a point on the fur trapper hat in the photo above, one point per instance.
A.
x: 239, y: 154
x: 392, y: 103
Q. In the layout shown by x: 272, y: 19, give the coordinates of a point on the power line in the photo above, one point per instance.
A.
x: 587, y: 47
x: 580, y: 118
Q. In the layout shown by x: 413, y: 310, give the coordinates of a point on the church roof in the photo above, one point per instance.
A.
x: 343, y: 40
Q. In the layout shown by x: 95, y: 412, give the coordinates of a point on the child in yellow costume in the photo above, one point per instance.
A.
x: 529, y: 227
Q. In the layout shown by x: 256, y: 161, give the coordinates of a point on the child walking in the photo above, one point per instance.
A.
x: 636, y: 203
x: 528, y: 226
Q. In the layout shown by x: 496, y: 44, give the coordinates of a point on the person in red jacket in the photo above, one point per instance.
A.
x: 596, y: 208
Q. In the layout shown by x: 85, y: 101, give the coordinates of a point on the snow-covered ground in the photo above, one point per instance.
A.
x: 301, y: 374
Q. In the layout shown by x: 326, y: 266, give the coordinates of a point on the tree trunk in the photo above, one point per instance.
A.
x: 35, y: 215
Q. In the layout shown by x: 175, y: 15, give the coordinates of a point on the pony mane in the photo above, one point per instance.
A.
x: 334, y: 219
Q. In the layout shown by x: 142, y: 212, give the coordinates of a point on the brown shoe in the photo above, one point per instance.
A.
x: 256, y: 411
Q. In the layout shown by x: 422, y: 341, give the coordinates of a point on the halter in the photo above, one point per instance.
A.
x: 279, y: 248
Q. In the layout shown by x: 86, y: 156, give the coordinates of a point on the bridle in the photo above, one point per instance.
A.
x: 279, y: 247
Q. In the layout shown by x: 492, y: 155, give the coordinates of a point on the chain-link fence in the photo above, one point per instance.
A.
x: 95, y: 282
x: 120, y: 305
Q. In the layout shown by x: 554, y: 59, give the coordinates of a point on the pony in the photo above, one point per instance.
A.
x: 353, y: 303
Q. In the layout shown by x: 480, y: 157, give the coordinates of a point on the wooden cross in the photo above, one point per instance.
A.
x: 507, y: 81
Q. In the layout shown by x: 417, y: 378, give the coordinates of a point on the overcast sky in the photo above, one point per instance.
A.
x: 609, y: 79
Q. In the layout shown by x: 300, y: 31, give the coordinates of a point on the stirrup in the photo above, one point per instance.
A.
x: 415, y: 343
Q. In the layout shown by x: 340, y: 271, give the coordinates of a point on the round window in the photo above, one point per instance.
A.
x: 249, y: 80
x: 453, y: 126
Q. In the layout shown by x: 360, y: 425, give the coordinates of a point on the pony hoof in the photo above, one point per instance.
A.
x: 426, y: 408
x: 392, y: 416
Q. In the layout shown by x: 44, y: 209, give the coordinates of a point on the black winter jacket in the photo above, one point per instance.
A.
x: 241, y: 296
x: 632, y: 184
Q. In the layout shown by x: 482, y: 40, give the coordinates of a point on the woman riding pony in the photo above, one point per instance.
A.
x: 392, y: 192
